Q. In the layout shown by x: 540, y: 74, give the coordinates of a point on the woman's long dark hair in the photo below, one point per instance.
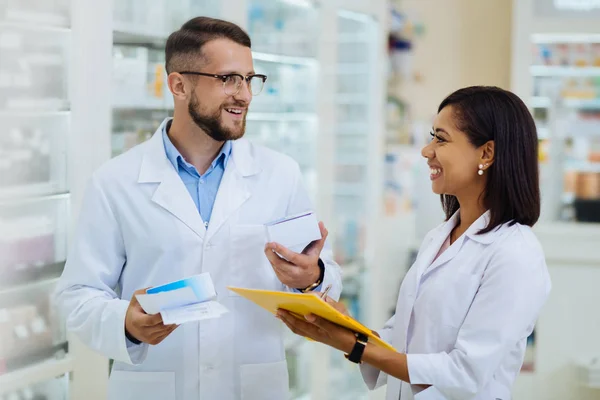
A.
x: 512, y: 192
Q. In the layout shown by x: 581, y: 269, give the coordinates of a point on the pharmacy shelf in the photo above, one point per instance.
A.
x: 550, y: 38
x: 281, y: 59
x: 543, y: 132
x: 36, y: 27
x: 148, y: 104
x: 351, y: 99
x: 583, y: 104
x: 349, y: 189
x: 303, y: 117
x: 540, y: 102
x: 585, y: 128
x: 582, y: 166
x: 557, y: 71
x: 32, y: 276
x: 34, y: 199
x: 36, y: 17
x: 128, y: 36
x: 39, y: 372
x: 32, y: 114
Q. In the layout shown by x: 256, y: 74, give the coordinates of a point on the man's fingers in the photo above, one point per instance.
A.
x: 292, y: 257
x: 148, y: 320
x: 161, y: 335
x: 134, y: 299
x: 316, y: 247
x: 277, y: 262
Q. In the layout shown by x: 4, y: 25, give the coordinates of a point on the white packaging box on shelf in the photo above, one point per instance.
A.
x: 588, y: 372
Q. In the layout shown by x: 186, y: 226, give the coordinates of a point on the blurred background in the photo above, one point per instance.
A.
x: 352, y: 91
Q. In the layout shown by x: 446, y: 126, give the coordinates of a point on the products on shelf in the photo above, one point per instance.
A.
x: 132, y: 127
x: 289, y: 88
x: 24, y: 158
x: 54, y: 389
x: 399, y: 190
x: 52, y: 13
x: 281, y: 27
x: 26, y: 242
x: 140, y: 79
x: 580, y: 54
x: 33, y: 69
x: 26, y: 335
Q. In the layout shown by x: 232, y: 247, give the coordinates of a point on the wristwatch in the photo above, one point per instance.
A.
x: 359, y: 347
x: 319, y: 281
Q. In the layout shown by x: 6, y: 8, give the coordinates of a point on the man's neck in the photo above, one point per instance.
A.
x: 196, y: 147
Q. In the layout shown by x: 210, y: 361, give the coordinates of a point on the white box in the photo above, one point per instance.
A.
x: 294, y: 232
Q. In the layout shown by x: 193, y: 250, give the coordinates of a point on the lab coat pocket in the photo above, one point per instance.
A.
x: 267, y: 381
x: 250, y: 267
x: 132, y: 385
x: 449, y: 298
x: 431, y: 393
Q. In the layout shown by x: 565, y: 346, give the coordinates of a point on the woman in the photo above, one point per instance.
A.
x: 469, y: 302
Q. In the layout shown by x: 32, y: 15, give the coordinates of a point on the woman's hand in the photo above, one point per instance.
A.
x: 320, y: 330
x: 337, y: 305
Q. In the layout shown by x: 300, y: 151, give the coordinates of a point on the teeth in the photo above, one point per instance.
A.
x: 234, y: 111
x: 435, y: 171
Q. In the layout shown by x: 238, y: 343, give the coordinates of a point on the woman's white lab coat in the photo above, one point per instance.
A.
x: 139, y: 227
x: 464, y: 319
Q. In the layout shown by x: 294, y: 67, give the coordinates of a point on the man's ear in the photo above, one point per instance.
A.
x: 177, y: 86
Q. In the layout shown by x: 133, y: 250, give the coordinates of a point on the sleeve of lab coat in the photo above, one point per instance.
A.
x: 512, y: 292
x: 299, y: 202
x: 85, y: 293
x: 373, y: 377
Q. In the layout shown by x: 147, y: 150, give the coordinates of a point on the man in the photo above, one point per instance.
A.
x: 192, y: 199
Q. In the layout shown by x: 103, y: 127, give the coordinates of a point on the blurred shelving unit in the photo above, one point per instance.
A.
x: 556, y: 71
x: 34, y: 196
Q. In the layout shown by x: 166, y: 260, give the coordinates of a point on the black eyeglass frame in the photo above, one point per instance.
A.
x: 224, y: 78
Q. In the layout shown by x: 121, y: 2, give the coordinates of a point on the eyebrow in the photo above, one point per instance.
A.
x: 235, y: 72
x: 438, y: 130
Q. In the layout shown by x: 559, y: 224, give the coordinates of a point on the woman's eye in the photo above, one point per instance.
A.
x: 437, y: 137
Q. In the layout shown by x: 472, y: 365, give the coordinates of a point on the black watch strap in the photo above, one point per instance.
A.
x: 359, y: 348
x: 319, y: 281
x: 131, y: 338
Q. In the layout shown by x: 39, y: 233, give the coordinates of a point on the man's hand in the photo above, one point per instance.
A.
x: 297, y: 270
x: 145, y: 328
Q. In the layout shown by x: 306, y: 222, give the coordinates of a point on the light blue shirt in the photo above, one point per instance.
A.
x: 202, y: 188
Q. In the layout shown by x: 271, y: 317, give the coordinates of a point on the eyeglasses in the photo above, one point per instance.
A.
x: 232, y: 83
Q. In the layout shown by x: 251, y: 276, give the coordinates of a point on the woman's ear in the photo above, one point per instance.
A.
x: 487, y: 153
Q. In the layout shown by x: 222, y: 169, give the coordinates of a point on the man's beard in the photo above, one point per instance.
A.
x: 211, y: 124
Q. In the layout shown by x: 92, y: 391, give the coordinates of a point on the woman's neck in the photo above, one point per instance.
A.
x: 469, y: 212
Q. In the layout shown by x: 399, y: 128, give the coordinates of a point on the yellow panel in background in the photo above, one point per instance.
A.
x: 303, y: 304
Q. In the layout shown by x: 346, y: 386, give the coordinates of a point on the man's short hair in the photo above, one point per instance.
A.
x: 184, y: 47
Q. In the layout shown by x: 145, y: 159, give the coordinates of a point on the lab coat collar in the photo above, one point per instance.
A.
x: 172, y: 194
x: 155, y: 158
x: 479, y: 224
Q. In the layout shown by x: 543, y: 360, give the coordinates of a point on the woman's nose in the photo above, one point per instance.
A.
x: 427, y: 151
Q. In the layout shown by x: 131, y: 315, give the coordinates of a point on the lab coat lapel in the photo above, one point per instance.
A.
x: 234, y: 190
x: 422, y: 263
x: 425, y: 261
x: 171, y: 193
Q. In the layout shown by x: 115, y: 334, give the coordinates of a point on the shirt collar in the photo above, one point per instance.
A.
x: 177, y: 159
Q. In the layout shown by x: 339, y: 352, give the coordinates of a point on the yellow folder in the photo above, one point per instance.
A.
x: 302, y: 304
